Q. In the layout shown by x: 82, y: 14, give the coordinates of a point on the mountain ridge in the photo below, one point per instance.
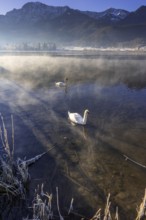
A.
x: 37, y: 21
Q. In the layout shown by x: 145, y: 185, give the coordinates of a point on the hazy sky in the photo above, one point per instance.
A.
x: 91, y: 5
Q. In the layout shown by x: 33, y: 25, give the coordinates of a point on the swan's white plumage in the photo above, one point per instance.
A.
x: 62, y: 84
x: 77, y: 118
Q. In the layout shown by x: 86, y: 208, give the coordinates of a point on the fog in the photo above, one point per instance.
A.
x: 86, y: 162
x: 43, y: 71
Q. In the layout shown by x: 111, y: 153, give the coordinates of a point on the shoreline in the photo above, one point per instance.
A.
x: 81, y: 54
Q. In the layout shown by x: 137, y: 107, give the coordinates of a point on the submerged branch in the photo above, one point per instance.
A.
x: 139, y: 164
x: 34, y: 159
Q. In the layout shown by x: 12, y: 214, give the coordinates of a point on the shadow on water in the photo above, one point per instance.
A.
x: 86, y: 163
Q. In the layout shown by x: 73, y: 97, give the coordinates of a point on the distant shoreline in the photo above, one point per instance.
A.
x: 82, y: 54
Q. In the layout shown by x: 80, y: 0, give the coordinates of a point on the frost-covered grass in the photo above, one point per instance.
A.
x: 13, y: 174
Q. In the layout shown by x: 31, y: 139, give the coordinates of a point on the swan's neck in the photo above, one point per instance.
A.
x: 85, y: 117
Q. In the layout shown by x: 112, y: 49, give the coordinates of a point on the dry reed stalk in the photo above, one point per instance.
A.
x: 4, y: 138
x: 60, y: 216
x: 42, y: 205
x: 40, y: 209
x: 97, y: 215
x: 141, y: 211
x: 13, y: 174
x: 117, y: 214
x: 13, y: 140
x: 107, y: 214
x: 49, y: 203
x: 71, y: 206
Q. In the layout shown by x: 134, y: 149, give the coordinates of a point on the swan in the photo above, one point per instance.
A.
x: 77, y: 118
x: 62, y: 84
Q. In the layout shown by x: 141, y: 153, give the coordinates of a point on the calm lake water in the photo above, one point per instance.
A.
x: 86, y: 163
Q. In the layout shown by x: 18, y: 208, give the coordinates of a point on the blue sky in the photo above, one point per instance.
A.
x: 91, y: 5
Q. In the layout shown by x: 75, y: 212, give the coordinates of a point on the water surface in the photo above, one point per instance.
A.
x: 86, y: 163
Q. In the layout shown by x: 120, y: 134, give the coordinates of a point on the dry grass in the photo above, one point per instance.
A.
x: 141, y: 211
x: 42, y: 208
x: 13, y: 174
x: 42, y: 205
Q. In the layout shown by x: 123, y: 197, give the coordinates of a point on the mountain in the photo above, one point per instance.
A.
x: 108, y: 16
x: 34, y: 12
x: 132, y: 28
x: 137, y: 17
x: 36, y: 22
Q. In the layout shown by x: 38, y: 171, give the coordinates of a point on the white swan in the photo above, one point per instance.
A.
x: 62, y: 84
x: 77, y: 118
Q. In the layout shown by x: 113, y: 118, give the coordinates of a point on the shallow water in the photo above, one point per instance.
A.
x: 86, y: 163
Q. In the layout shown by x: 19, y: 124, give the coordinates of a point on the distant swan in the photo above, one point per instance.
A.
x: 62, y: 84
x: 77, y: 118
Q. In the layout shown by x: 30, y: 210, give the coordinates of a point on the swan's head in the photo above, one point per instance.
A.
x: 87, y: 111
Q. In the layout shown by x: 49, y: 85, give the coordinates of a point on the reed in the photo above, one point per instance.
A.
x: 42, y: 208
x: 42, y: 204
x: 141, y: 211
x: 14, y: 174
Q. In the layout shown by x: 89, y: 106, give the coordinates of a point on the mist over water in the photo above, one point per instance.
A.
x: 86, y: 163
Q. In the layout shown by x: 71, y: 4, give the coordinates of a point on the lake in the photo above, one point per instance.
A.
x: 86, y: 162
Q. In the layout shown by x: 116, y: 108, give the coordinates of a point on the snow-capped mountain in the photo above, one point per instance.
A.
x: 36, y: 11
x: 36, y: 21
x: 110, y: 15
